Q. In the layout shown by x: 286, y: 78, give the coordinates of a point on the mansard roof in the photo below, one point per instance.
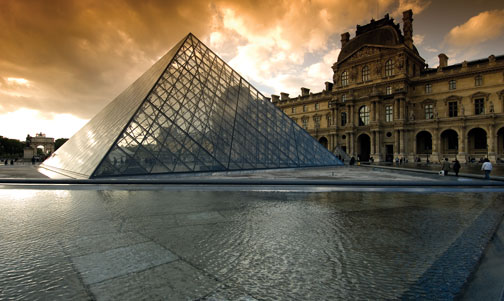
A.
x: 383, y: 32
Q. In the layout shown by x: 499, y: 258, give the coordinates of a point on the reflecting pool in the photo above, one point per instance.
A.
x: 230, y: 245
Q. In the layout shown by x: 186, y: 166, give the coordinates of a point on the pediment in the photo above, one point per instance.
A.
x: 480, y: 94
x: 366, y: 51
x: 453, y: 98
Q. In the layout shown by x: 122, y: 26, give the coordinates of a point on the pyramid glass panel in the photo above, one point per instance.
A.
x: 190, y: 112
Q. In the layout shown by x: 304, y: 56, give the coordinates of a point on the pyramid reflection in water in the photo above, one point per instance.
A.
x: 190, y: 112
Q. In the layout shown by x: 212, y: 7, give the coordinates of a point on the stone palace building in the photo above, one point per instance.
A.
x: 386, y: 103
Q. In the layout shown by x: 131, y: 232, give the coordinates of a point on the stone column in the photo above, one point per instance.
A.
x: 373, y: 110
x: 396, y: 109
x: 435, y: 146
x: 491, y: 144
x: 373, y: 142
x: 462, y: 143
x: 415, y: 151
x: 401, y: 141
x: 347, y: 144
x: 349, y: 114
x: 351, y: 146
x: 352, y: 114
x: 396, y: 143
x: 403, y: 109
x: 378, y: 110
x: 335, y: 113
x: 378, y: 146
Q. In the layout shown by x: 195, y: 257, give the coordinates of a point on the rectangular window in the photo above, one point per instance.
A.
x: 305, y: 123
x: 343, y: 119
x: 389, y: 90
x: 316, y: 106
x: 365, y: 73
x: 452, y: 109
x: 479, y: 106
x: 429, y: 111
x: 478, y: 80
x: 343, y: 98
x: 304, y: 108
x: 452, y: 84
x: 344, y: 79
x: 389, y: 68
x: 329, y: 120
x: 428, y: 88
x: 316, y: 119
x: 389, y: 114
x: 293, y: 110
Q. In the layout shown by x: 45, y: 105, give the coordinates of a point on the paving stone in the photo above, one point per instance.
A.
x: 38, y: 280
x: 97, y: 267
x: 197, y: 218
x: 82, y: 245
x: 488, y: 283
x: 149, y: 222
x: 171, y: 281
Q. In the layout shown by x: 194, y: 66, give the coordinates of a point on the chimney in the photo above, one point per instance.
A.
x: 443, y: 60
x: 328, y: 86
x: 275, y: 98
x: 408, y: 28
x: 305, y: 91
x: 345, y: 37
x: 284, y: 96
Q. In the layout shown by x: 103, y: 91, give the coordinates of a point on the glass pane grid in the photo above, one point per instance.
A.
x: 202, y: 116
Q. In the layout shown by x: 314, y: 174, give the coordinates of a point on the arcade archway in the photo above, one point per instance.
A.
x: 449, y: 142
x: 364, y: 147
x: 424, y: 143
x: 477, y: 142
x: 323, y: 141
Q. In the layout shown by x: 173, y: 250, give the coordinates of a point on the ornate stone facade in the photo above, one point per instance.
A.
x: 386, y: 103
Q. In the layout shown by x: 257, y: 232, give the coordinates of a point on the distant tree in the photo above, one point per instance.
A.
x: 59, y: 142
x: 11, y: 147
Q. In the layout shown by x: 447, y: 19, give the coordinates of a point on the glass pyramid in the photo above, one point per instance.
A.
x: 190, y: 112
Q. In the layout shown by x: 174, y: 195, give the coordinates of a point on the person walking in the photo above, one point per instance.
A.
x: 487, y: 168
x: 445, y: 166
x: 456, y: 167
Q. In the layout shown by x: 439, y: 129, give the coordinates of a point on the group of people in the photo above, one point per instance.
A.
x: 400, y: 161
x: 445, y: 167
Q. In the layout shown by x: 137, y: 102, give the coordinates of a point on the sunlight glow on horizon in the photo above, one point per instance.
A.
x: 22, y: 122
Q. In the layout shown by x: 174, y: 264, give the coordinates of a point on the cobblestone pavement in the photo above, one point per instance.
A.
x: 20, y: 170
x: 134, y: 243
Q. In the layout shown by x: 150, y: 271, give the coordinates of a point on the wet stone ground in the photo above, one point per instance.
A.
x: 188, y: 245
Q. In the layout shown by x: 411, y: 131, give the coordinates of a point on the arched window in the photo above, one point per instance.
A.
x: 365, y: 73
x: 344, y: 79
x: 389, y: 68
x: 364, y: 115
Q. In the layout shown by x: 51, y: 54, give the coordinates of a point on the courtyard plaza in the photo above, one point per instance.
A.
x: 255, y: 239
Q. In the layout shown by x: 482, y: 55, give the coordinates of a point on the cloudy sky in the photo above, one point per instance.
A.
x: 61, y: 61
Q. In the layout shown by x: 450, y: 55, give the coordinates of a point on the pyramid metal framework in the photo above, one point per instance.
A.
x: 190, y: 112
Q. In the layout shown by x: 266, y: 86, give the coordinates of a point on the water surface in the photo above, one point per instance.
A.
x: 227, y: 245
